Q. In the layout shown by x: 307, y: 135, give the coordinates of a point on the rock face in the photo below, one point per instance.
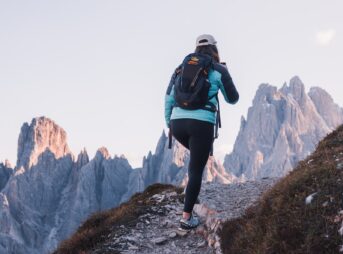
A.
x: 5, y: 173
x: 101, y: 184
x: 328, y: 110
x: 283, y: 126
x: 50, y: 192
x: 34, y: 191
x: 170, y: 166
x: 41, y: 136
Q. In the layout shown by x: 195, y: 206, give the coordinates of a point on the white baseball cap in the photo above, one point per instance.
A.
x: 205, y: 39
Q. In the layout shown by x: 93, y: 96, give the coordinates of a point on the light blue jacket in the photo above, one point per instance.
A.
x: 220, y: 79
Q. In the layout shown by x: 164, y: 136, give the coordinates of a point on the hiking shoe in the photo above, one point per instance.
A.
x: 192, y: 222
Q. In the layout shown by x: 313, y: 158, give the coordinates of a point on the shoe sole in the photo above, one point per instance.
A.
x: 182, y: 229
x: 187, y: 227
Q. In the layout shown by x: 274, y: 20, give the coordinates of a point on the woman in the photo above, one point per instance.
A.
x: 194, y: 129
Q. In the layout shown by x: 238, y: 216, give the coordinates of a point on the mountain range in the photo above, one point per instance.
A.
x: 50, y: 192
x: 283, y: 126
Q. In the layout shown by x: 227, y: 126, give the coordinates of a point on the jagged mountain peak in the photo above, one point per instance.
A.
x: 296, y: 82
x: 264, y: 93
x: 50, y: 192
x: 316, y: 90
x: 282, y: 127
x: 149, y: 155
x: 84, y: 151
x: 102, y: 153
x: 35, y: 138
x: 161, y: 142
x: 330, y: 111
x: 82, y: 158
x: 296, y: 88
x: 243, y: 123
x: 284, y: 85
x: 321, y: 98
x: 7, y: 164
x: 5, y: 173
x: 122, y: 156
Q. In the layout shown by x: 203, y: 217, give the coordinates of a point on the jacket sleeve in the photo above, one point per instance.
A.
x: 226, y: 84
x: 169, y: 100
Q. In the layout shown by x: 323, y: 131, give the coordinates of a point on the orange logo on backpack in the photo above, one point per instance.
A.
x: 194, y: 60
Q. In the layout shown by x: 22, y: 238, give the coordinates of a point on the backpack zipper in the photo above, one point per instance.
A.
x: 195, y: 78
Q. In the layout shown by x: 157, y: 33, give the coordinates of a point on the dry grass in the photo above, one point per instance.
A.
x: 282, y: 223
x: 99, y: 225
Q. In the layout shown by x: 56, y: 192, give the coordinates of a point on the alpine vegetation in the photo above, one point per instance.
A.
x: 302, y: 213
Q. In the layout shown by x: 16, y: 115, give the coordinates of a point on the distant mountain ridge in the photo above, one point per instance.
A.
x: 50, y: 193
x: 283, y: 126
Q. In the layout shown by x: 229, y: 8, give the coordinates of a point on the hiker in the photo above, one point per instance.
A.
x: 191, y: 112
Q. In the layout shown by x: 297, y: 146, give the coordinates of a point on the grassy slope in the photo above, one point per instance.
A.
x: 92, y: 232
x: 282, y: 223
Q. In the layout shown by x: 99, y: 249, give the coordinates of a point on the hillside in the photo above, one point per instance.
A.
x: 148, y: 222
x: 303, y: 213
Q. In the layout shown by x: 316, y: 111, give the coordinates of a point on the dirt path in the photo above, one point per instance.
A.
x: 157, y: 231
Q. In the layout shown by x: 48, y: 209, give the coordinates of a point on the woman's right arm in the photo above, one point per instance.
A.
x: 226, y: 85
x: 169, y: 100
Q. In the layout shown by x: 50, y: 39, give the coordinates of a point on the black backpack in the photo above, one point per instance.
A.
x: 191, y: 83
x: 191, y: 87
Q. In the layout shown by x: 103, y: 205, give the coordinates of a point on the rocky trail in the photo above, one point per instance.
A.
x: 157, y: 232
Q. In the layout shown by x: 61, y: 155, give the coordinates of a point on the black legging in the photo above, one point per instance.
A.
x: 197, y: 136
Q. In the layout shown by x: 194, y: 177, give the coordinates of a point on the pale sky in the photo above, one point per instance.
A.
x: 100, y: 69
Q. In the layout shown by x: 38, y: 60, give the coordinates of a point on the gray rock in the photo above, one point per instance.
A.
x: 6, y: 172
x: 172, y: 234
x: 50, y: 193
x: 282, y: 127
x: 159, y: 240
x: 329, y: 111
x: 201, y: 244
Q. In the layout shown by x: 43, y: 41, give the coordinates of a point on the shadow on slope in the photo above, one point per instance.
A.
x: 93, y: 231
x: 281, y: 222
